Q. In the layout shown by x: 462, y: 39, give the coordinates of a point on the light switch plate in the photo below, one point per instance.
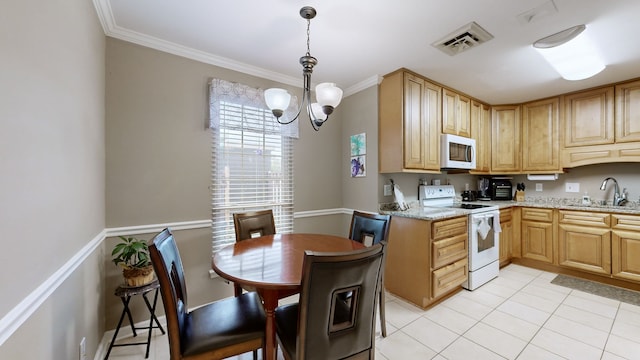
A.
x: 387, y: 190
x: 572, y: 187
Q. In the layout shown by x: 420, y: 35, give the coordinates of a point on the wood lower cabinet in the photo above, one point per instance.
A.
x: 537, y: 234
x: 584, y: 241
x: 426, y: 260
x: 506, y: 236
x: 625, y: 247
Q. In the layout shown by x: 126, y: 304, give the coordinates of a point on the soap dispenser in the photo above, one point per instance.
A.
x: 586, y: 199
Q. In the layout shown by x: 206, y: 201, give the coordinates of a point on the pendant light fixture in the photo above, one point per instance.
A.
x: 571, y: 53
x: 328, y: 95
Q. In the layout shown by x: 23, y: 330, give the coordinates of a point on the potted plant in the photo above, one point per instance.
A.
x: 132, y: 255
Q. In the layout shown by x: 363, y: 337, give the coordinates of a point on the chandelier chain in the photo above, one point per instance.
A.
x: 308, y: 35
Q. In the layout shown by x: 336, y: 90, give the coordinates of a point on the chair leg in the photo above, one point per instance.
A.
x: 237, y: 290
x: 381, y: 306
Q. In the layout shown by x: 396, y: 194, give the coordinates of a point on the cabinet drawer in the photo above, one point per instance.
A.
x: 505, y: 215
x: 584, y: 218
x: 535, y: 214
x: 448, y: 250
x: 625, y: 222
x: 449, y: 277
x: 447, y: 228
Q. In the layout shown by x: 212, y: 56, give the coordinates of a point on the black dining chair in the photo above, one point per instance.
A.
x: 249, y: 225
x: 216, y: 330
x: 322, y: 325
x: 371, y: 229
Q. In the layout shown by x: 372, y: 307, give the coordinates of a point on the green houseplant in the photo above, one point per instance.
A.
x: 132, y: 255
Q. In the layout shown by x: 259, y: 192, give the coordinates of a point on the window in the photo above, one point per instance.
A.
x: 252, y: 160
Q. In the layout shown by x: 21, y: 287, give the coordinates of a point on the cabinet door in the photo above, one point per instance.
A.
x: 537, y: 241
x: 505, y: 139
x: 541, y: 145
x: 464, y: 116
x: 589, y: 117
x: 625, y: 253
x: 481, y: 132
x: 414, y: 141
x: 628, y: 112
x: 449, y: 277
x: 506, y: 236
x: 585, y: 248
x: 449, y: 112
x: 432, y: 115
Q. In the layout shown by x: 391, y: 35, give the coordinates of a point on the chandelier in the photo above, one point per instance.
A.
x: 328, y: 95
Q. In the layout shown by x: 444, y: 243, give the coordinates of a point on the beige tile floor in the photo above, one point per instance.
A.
x: 519, y: 315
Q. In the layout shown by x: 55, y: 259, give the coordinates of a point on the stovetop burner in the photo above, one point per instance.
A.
x: 470, y: 206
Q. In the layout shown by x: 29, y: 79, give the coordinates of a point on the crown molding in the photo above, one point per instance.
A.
x: 111, y: 29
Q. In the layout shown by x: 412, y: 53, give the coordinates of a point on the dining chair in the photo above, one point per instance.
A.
x: 249, y: 225
x: 371, y: 229
x: 216, y: 330
x: 323, y: 326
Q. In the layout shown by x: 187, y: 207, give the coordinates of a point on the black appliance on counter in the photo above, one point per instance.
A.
x: 468, y: 195
x: 501, y: 189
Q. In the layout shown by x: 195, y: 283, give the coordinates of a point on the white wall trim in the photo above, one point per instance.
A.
x: 19, y: 314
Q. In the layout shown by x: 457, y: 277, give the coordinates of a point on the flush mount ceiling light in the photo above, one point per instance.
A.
x: 571, y: 53
x: 328, y: 95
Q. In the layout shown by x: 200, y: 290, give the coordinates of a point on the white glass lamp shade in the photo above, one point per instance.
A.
x: 575, y: 59
x: 316, y: 109
x: 277, y: 99
x: 328, y: 94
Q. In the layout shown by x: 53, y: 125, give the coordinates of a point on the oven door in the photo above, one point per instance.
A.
x: 483, y: 240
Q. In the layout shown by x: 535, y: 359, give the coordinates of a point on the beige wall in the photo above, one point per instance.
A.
x: 159, y: 153
x: 52, y: 183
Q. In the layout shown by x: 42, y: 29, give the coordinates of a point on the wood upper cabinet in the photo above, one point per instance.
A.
x: 505, y: 139
x: 584, y: 241
x: 588, y: 117
x: 409, y: 120
x: 627, y: 124
x: 625, y: 247
x: 537, y: 234
x: 540, y: 136
x: 481, y: 132
x: 456, y: 113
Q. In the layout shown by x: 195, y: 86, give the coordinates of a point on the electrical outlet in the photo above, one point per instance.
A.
x: 572, y: 187
x: 538, y: 187
x: 387, y: 190
x: 83, y: 349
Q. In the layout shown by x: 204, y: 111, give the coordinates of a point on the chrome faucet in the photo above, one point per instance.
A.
x: 619, y: 199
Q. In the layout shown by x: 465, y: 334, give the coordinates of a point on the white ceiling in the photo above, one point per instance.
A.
x: 356, y: 41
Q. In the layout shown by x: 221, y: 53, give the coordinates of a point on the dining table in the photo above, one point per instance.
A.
x: 272, y: 264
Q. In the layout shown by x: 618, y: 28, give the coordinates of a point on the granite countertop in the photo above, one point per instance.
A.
x: 437, y: 213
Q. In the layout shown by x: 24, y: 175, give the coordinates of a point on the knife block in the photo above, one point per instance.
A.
x: 519, y: 195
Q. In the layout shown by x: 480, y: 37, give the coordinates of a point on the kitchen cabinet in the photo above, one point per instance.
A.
x: 627, y: 112
x: 625, y: 247
x: 541, y: 145
x: 426, y: 260
x: 505, y: 139
x: 409, y: 124
x: 537, y: 238
x: 456, y: 113
x: 481, y: 132
x: 588, y: 118
x: 506, y: 236
x: 584, y: 241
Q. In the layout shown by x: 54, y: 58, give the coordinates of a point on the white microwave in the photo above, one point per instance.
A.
x: 457, y: 152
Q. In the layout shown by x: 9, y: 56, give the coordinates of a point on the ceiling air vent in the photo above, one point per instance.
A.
x: 466, y: 37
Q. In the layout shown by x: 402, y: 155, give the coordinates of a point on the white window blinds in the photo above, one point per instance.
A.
x: 252, y: 161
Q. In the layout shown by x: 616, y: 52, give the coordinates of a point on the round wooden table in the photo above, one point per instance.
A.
x: 273, y: 265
